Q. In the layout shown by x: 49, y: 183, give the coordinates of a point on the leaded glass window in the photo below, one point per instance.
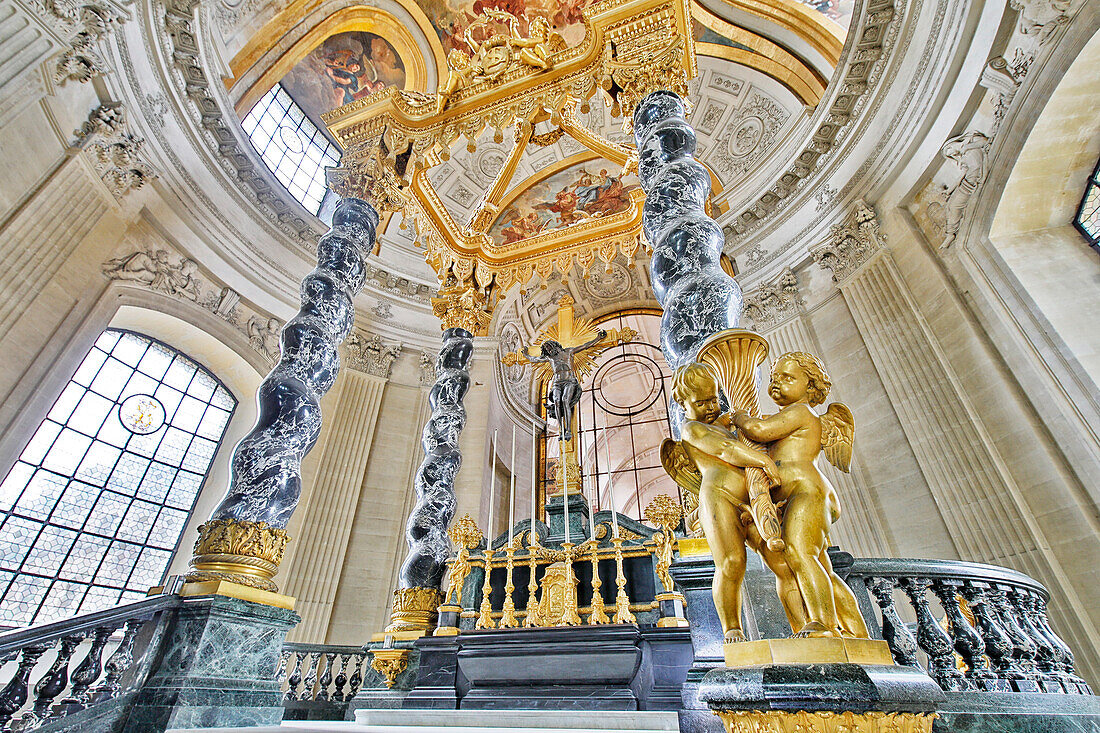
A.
x: 1088, y: 214
x: 291, y: 146
x: 94, y: 508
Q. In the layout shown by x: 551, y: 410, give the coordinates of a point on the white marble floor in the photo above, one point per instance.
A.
x: 476, y: 721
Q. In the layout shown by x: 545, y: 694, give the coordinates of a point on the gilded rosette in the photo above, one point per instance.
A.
x: 241, y: 552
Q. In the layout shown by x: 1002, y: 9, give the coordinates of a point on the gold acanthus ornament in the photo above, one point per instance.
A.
x: 462, y: 304
x: 389, y: 663
x: 465, y: 534
x: 801, y: 721
x: 414, y: 609
x: 248, y: 553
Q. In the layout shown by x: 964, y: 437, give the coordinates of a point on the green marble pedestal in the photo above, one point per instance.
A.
x: 216, y: 667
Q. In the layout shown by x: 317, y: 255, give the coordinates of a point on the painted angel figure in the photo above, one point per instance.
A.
x: 795, y: 435
x: 565, y: 388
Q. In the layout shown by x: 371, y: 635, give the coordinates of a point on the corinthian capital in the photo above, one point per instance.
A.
x: 773, y: 302
x: 371, y: 355
x: 851, y: 243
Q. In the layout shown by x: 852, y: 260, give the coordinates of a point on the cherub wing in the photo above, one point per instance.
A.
x: 680, y: 467
x: 838, y: 434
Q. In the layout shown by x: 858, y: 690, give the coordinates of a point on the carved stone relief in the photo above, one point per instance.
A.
x: 158, y: 270
x: 113, y: 149
x: 608, y: 283
x: 370, y: 354
x: 428, y: 373
x: 851, y: 244
x: 773, y: 302
x: 749, y: 136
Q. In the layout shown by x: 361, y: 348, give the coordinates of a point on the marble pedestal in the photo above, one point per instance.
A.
x: 215, y: 667
x: 578, y: 518
x: 762, y: 613
x: 783, y: 697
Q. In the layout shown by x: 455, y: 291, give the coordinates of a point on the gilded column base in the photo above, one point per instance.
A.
x: 831, y: 650
x: 241, y: 552
x: 414, y: 609
x: 802, y: 721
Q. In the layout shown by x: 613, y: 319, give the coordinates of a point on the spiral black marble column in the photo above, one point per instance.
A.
x: 698, y: 297
x: 418, y: 597
x: 266, y: 481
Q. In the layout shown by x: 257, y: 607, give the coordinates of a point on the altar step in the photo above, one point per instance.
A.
x: 475, y: 721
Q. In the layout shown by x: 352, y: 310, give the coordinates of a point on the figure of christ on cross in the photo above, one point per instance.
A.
x: 567, y: 353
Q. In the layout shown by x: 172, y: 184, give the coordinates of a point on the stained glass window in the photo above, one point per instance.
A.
x: 622, y: 419
x: 1088, y: 214
x: 95, y: 506
x: 291, y: 146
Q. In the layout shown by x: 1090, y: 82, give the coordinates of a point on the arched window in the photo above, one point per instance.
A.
x: 622, y: 419
x: 1088, y: 213
x: 292, y: 147
x: 94, y: 508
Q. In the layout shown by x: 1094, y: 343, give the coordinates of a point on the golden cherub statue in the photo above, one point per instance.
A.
x: 795, y: 435
x: 710, y: 461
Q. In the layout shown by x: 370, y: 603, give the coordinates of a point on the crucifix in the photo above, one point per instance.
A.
x: 567, y: 353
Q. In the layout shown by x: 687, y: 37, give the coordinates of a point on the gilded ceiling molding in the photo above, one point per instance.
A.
x: 764, y: 55
x: 356, y: 18
x: 821, y: 34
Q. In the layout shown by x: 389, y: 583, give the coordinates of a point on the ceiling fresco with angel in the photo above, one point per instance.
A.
x: 345, y: 67
x: 584, y: 191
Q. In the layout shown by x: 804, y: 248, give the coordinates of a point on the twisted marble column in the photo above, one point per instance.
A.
x: 244, y: 539
x: 415, y: 602
x: 698, y: 297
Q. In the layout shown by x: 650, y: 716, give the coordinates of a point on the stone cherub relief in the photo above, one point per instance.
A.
x: 710, y: 460
x: 153, y: 269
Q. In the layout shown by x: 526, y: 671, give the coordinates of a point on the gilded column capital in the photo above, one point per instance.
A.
x: 773, y: 302
x: 851, y: 244
x: 370, y: 354
x: 463, y: 305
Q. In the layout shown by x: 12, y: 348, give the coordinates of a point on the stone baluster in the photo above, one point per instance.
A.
x: 1065, y: 655
x: 284, y: 658
x: 1023, y: 649
x: 53, y: 683
x: 309, y: 686
x: 356, y: 677
x: 14, y: 694
x: 244, y: 539
x: 998, y: 645
x: 341, y: 679
x: 119, y: 662
x: 326, y: 678
x: 88, y: 671
x: 1045, y: 652
x: 931, y: 637
x: 894, y: 631
x: 967, y: 641
x: 295, y: 678
x: 699, y: 299
x: 461, y: 308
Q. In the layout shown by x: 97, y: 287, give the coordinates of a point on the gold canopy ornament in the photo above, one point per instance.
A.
x: 511, y: 80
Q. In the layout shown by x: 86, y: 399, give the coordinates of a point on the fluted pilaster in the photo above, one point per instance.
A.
x: 981, y: 504
x: 314, y: 572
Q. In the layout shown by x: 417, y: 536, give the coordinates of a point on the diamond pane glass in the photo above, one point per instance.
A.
x: 1088, y: 214
x: 84, y: 514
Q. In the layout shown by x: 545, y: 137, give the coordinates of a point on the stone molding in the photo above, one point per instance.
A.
x: 862, y: 73
x: 369, y: 354
x: 851, y: 244
x: 154, y: 270
x: 773, y: 302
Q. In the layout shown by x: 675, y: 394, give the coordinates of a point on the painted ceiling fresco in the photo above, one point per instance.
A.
x: 580, y: 192
x: 346, y: 67
x: 450, y: 18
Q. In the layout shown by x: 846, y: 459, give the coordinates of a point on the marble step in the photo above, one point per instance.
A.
x: 475, y: 721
